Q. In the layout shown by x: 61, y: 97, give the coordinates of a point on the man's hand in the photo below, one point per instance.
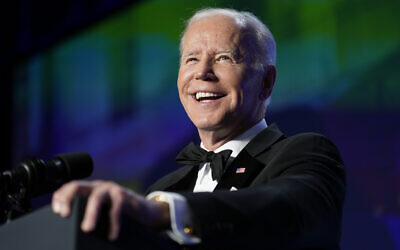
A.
x: 121, y: 200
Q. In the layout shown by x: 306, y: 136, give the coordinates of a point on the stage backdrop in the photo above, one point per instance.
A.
x: 110, y: 90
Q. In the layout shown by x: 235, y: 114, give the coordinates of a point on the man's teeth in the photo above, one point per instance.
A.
x: 205, y: 94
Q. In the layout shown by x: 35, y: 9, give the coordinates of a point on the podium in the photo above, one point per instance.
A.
x: 44, y: 230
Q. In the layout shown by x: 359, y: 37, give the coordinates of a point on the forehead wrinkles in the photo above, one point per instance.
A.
x: 211, y: 41
x: 214, y: 30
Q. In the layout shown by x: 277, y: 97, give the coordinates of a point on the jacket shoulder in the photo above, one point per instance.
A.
x: 311, y: 142
x: 167, y: 180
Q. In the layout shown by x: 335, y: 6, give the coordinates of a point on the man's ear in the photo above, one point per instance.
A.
x: 268, y: 81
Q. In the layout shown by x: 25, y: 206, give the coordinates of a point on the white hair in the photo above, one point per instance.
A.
x: 264, y: 48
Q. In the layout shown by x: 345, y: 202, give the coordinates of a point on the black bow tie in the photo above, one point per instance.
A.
x: 195, y: 155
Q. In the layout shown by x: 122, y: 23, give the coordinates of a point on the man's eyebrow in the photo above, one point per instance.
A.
x: 225, y: 51
x: 190, y: 53
x: 234, y: 52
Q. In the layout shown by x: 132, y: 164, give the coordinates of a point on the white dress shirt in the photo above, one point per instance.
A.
x: 178, y: 207
x: 204, y: 182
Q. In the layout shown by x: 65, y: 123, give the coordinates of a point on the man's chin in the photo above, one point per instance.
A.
x: 208, y: 127
x: 212, y: 126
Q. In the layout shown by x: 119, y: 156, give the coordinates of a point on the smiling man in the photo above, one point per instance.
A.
x: 221, y: 86
x: 247, y: 185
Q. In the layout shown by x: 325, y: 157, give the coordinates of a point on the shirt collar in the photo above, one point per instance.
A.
x: 239, y: 142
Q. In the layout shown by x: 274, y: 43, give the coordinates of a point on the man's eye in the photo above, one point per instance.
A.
x: 191, y: 59
x: 224, y: 58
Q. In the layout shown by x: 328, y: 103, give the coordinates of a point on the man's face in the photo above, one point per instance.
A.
x: 217, y: 86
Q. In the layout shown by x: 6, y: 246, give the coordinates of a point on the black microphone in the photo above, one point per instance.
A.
x: 34, y: 177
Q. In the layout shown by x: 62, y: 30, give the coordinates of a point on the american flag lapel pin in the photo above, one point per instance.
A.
x: 240, y: 170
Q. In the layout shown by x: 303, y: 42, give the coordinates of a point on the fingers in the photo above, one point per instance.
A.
x: 99, y: 193
x: 106, y: 192
x: 62, y: 198
x: 117, y: 205
x: 98, y: 197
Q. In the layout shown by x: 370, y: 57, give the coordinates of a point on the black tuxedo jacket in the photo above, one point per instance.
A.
x: 289, y: 197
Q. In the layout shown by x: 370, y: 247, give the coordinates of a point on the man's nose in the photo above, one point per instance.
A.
x: 205, y: 72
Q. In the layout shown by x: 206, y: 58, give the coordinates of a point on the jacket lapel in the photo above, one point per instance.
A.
x: 241, y: 171
x: 264, y: 140
x: 182, y: 179
x: 246, y: 166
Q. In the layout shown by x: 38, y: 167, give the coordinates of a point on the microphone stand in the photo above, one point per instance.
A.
x: 13, y: 203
